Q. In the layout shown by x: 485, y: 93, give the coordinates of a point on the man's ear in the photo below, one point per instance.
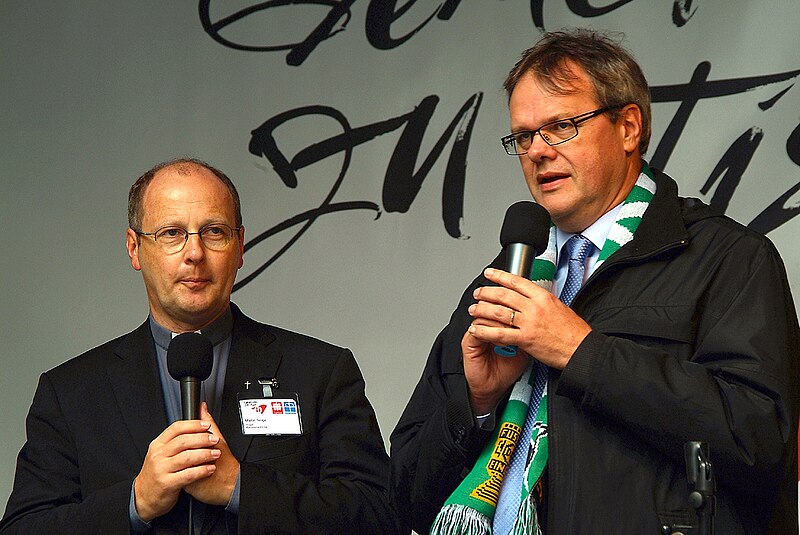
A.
x: 132, y: 244
x: 630, y: 120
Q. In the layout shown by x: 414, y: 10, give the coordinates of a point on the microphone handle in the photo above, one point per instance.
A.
x: 190, y: 410
x: 520, y: 259
x: 190, y: 398
x: 519, y: 262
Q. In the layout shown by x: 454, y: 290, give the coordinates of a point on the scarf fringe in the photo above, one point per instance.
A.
x: 455, y: 519
x: 527, y: 522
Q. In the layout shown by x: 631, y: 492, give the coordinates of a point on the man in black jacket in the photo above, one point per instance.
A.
x: 106, y: 450
x: 674, y: 324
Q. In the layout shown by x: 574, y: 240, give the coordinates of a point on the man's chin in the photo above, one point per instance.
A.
x: 197, y: 315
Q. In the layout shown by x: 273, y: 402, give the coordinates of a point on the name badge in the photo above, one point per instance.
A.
x: 270, y: 412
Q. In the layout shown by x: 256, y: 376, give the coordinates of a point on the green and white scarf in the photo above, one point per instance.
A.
x: 470, y: 508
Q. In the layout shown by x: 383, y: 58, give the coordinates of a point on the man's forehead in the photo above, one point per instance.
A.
x: 533, y: 105
x: 171, y: 184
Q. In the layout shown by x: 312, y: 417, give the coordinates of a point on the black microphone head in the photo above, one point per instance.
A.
x: 190, y: 355
x: 528, y: 223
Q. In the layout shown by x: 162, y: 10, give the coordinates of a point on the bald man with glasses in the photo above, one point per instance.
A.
x: 286, y: 440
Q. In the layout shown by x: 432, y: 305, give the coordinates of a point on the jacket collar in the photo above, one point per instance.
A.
x: 662, y: 227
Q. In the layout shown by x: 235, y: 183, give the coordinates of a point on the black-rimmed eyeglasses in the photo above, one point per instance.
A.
x: 215, y: 236
x: 554, y: 133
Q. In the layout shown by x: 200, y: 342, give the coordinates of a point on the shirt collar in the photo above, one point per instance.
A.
x: 596, y: 232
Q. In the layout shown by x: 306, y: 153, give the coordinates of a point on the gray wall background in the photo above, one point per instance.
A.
x: 93, y: 93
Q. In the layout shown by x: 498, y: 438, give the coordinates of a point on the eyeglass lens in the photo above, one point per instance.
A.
x: 215, y: 237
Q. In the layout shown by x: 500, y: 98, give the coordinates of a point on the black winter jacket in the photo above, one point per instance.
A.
x: 695, y: 337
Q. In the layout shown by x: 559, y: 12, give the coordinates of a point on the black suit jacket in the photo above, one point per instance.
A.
x: 93, y: 418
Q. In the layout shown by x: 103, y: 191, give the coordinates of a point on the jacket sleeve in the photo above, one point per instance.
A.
x: 436, y: 441
x: 47, y: 488
x: 349, y: 495
x: 736, y: 389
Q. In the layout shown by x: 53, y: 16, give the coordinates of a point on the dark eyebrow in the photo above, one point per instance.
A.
x: 553, y: 119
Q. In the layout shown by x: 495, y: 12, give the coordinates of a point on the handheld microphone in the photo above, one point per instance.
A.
x: 524, y: 236
x: 190, y: 357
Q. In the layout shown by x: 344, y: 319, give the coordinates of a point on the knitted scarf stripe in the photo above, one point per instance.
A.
x: 470, y: 508
x: 630, y: 215
x: 543, y: 269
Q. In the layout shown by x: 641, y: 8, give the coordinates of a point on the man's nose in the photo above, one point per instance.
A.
x: 539, y: 148
x: 195, y: 248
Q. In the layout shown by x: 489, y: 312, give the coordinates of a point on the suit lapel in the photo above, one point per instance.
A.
x: 135, y: 383
x: 253, y: 355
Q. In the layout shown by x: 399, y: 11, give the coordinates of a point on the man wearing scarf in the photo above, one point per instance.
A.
x: 648, y: 322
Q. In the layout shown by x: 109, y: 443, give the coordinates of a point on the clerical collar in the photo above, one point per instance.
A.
x: 216, y: 332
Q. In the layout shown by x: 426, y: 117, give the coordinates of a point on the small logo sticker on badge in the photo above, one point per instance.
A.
x: 270, y: 416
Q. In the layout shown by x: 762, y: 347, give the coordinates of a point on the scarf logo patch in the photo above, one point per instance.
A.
x: 507, y: 439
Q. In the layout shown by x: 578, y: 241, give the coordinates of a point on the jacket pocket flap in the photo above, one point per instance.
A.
x: 271, y: 447
x: 673, y: 322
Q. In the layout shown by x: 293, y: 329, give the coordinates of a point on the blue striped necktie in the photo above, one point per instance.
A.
x: 577, y: 249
